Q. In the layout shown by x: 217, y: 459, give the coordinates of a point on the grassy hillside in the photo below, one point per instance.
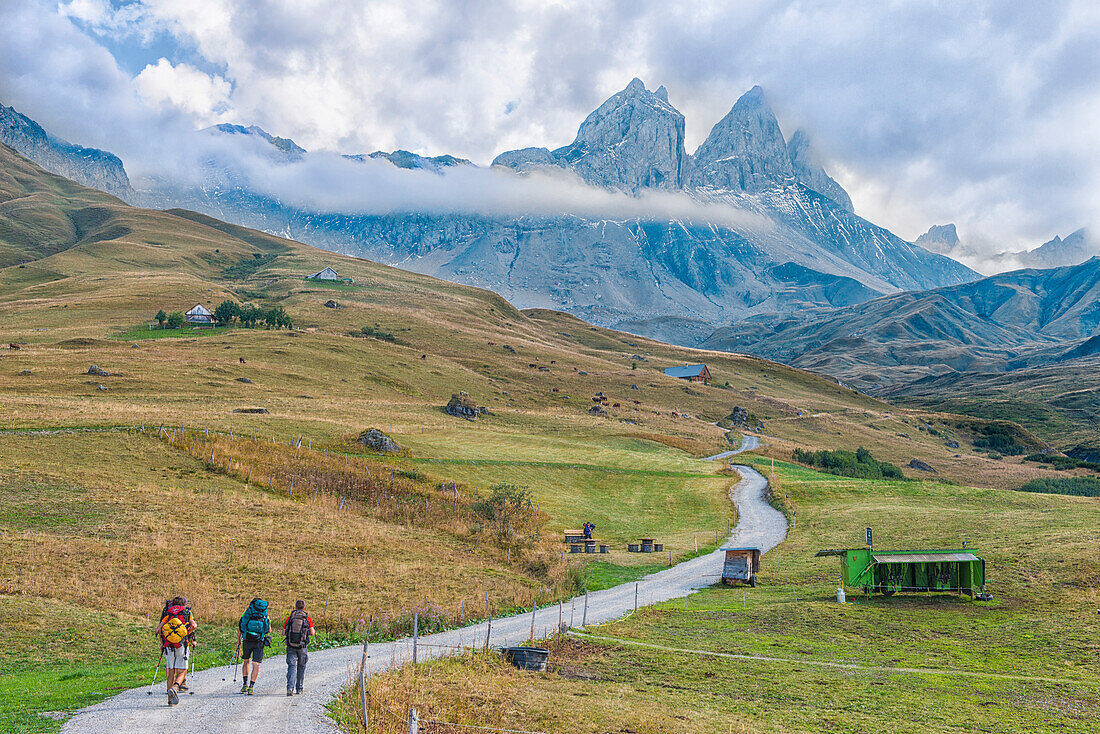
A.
x: 81, y: 277
x: 785, y: 657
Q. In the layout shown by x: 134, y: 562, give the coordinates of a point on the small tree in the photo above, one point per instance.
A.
x: 277, y: 318
x: 511, y: 513
x: 226, y: 312
x: 176, y: 320
x: 249, y: 315
x: 161, y: 317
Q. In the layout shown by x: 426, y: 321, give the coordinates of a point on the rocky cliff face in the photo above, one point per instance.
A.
x: 745, y: 150
x: 632, y: 141
x: 941, y: 238
x: 89, y: 166
x: 809, y: 171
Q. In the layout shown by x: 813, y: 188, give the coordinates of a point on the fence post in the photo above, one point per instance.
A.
x: 414, y: 722
x: 584, y: 617
x: 489, y: 614
x: 635, y: 596
x: 416, y: 633
x: 363, y: 683
x: 560, y: 617
x: 534, y: 606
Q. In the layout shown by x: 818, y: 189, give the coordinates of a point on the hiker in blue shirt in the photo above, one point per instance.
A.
x: 253, y: 637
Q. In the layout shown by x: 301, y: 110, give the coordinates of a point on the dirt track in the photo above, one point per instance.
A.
x: 216, y: 706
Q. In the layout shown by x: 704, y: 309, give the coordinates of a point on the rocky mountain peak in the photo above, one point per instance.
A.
x: 808, y: 169
x: 1074, y: 248
x: 413, y: 161
x: 745, y: 150
x: 89, y: 166
x: 941, y: 238
x: 286, y: 146
x: 634, y: 140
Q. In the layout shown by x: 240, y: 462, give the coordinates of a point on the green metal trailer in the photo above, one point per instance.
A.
x: 892, y: 571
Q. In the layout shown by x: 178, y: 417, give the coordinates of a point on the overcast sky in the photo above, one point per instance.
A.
x: 979, y: 113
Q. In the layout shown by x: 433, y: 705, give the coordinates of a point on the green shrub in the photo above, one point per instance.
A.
x: 176, y: 320
x: 1077, y: 486
x: 1062, y: 462
x: 859, y: 464
x: 374, y: 332
x: 999, y: 439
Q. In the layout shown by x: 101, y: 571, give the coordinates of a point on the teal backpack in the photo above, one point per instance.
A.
x: 254, y: 624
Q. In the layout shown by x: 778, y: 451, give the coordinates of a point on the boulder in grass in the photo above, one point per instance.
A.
x: 374, y: 439
x: 98, y: 371
x: 245, y: 380
x: 921, y: 466
x: 461, y: 406
x: 251, y: 410
x: 332, y: 304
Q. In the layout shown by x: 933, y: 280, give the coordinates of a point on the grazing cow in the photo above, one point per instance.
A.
x: 13, y: 345
x: 556, y: 390
x: 242, y: 359
x: 616, y: 405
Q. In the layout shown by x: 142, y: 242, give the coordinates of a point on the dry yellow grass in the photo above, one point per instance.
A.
x: 120, y: 521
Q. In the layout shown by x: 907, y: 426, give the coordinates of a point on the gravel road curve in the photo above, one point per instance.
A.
x: 216, y: 706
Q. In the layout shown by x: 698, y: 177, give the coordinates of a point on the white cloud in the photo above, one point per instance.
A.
x: 204, y: 96
x: 978, y: 113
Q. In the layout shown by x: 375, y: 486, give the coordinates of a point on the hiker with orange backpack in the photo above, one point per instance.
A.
x: 252, y: 637
x: 297, y: 629
x: 177, y: 635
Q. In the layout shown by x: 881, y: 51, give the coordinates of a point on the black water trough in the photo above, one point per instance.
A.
x: 526, y: 658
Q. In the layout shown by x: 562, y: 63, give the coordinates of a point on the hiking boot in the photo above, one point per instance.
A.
x: 182, y: 686
x: 244, y: 688
x: 250, y: 691
x: 173, y: 697
x: 289, y: 692
x: 298, y: 692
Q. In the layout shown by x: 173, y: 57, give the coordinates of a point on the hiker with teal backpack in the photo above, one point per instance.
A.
x: 252, y: 636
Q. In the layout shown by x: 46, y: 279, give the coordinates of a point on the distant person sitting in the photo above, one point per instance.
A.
x: 588, y: 528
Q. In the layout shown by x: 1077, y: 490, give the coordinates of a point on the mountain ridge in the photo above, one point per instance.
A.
x: 674, y: 277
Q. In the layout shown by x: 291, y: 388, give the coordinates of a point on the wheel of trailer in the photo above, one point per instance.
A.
x: 889, y: 592
x: 752, y: 581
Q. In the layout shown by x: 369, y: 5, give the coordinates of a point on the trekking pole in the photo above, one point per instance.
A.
x: 155, y: 671
x: 234, y: 663
x: 190, y: 688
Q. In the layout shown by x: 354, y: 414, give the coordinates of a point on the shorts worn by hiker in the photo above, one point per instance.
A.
x: 252, y: 650
x: 177, y: 658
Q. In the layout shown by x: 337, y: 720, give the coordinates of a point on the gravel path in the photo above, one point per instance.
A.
x: 748, y: 443
x: 216, y: 706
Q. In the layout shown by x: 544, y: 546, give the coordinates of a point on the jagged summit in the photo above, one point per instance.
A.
x: 941, y: 238
x: 745, y: 150
x: 413, y: 161
x: 809, y: 171
x: 285, y: 145
x: 634, y: 140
